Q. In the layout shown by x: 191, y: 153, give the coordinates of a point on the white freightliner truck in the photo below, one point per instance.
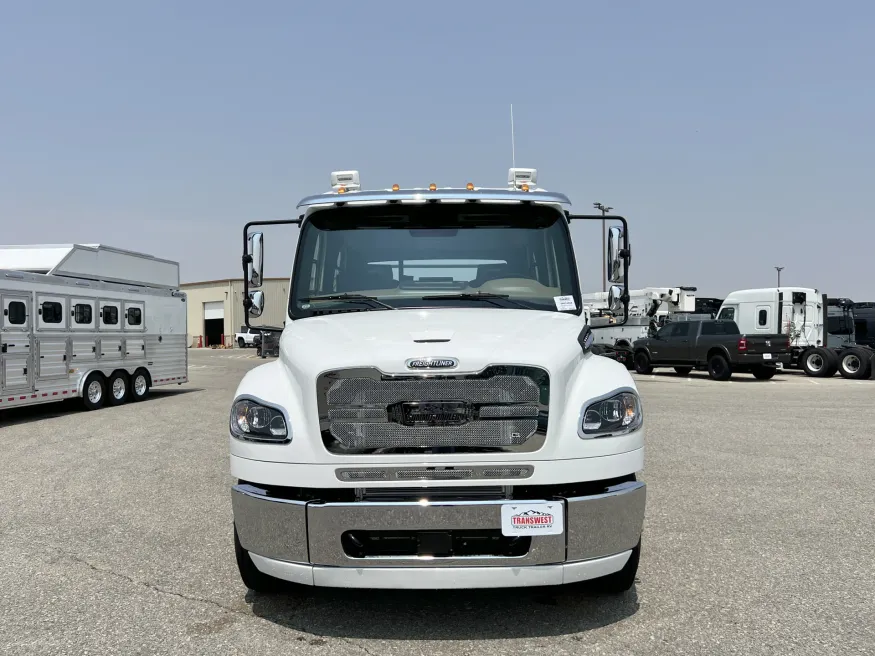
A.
x: 436, y: 418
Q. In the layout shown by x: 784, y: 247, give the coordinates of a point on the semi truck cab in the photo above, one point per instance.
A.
x: 436, y: 417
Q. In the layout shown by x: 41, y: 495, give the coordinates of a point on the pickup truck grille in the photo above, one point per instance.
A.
x: 503, y: 408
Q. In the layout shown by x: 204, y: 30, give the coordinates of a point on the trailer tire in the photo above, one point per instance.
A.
x: 94, y: 391
x: 819, y: 362
x: 683, y: 371
x: 718, y: 367
x: 141, y: 383
x: 855, y: 363
x: 642, y: 363
x: 620, y: 582
x: 118, y: 388
x: 764, y: 373
x: 253, y: 578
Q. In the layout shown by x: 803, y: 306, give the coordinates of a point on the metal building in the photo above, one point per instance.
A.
x: 215, y: 309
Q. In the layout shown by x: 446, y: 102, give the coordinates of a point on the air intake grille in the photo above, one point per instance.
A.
x: 499, y: 409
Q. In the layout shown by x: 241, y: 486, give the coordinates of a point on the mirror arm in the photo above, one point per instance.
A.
x: 247, y: 258
x: 625, y: 253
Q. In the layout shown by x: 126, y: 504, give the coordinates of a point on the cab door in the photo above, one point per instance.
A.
x: 16, y: 359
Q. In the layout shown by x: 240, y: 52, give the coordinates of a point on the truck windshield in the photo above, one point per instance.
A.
x: 435, y: 255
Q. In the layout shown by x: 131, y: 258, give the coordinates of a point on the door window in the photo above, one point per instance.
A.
x: 16, y: 313
x: 726, y: 314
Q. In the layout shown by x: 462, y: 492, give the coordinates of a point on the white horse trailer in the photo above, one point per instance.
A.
x: 88, y: 321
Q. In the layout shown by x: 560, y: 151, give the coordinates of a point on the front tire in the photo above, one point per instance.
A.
x: 855, y: 364
x: 94, y: 391
x: 241, y: 342
x: 622, y: 581
x: 253, y: 578
x: 718, y: 367
x: 642, y: 363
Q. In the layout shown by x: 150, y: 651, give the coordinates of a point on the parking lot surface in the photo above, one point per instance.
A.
x: 759, y: 536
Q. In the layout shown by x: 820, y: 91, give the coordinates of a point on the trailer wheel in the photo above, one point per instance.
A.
x: 140, y: 385
x: 683, y: 371
x: 718, y: 367
x: 253, y: 578
x: 818, y: 362
x: 94, y: 391
x: 642, y: 363
x: 117, y: 388
x: 764, y: 373
x: 855, y: 364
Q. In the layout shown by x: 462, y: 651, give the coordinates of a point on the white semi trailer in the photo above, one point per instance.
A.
x: 89, y: 321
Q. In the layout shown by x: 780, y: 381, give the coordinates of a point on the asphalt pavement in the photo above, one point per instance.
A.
x: 117, y: 539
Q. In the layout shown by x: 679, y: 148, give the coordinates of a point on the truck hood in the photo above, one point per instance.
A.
x: 476, y: 337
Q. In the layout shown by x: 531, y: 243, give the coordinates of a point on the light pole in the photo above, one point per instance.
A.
x: 604, y: 210
x: 779, y: 269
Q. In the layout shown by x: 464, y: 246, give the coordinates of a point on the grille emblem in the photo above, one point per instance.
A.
x: 432, y: 363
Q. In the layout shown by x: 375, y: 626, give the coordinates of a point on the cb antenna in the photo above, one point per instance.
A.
x: 512, y: 144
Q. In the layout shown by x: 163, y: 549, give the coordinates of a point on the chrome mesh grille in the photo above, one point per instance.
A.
x: 498, y: 409
x: 477, y: 433
x: 433, y: 475
x: 498, y: 389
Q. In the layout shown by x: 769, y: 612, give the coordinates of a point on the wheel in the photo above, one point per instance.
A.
x: 764, y: 373
x: 94, y: 391
x: 683, y: 371
x: 118, y: 388
x: 253, y: 579
x: 241, y: 342
x: 140, y: 385
x: 819, y: 362
x: 718, y: 367
x: 855, y: 363
x: 620, y: 582
x: 642, y: 363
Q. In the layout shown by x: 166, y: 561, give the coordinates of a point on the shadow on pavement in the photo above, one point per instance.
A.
x: 444, y: 614
x: 69, y: 407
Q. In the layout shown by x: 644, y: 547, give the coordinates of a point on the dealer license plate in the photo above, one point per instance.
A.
x: 542, y: 518
x: 767, y: 356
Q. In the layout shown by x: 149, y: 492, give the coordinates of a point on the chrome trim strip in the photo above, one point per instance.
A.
x: 424, y: 195
x: 438, y: 473
x: 440, y: 578
x: 274, y: 528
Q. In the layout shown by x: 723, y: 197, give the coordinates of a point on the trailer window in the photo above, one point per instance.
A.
x: 762, y: 318
x: 51, y: 312
x: 82, y: 313
x: 16, y: 313
x: 110, y: 315
x: 135, y: 316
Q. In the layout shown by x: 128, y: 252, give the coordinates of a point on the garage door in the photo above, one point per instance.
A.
x: 214, y: 310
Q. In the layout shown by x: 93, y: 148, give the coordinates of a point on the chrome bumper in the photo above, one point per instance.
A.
x: 301, y: 541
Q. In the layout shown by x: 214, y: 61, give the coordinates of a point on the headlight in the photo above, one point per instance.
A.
x: 258, y: 423
x: 616, y: 415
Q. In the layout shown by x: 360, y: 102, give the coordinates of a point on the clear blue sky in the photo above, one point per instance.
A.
x: 734, y: 136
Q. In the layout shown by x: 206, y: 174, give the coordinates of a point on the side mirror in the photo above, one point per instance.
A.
x: 256, y: 303
x: 615, y: 260
x: 255, y: 271
x: 615, y: 298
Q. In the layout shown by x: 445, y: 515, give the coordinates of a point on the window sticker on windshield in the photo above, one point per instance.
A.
x: 564, y: 303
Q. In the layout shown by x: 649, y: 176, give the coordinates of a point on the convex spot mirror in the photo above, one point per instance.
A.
x: 615, y: 298
x: 256, y: 303
x: 615, y: 259
x: 255, y: 271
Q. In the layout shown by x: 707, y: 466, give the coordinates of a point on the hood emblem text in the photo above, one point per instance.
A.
x: 432, y: 363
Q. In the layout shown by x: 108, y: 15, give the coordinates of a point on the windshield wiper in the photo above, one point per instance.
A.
x: 352, y: 298
x: 479, y: 296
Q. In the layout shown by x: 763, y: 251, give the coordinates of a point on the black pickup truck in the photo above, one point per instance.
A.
x: 717, y: 346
